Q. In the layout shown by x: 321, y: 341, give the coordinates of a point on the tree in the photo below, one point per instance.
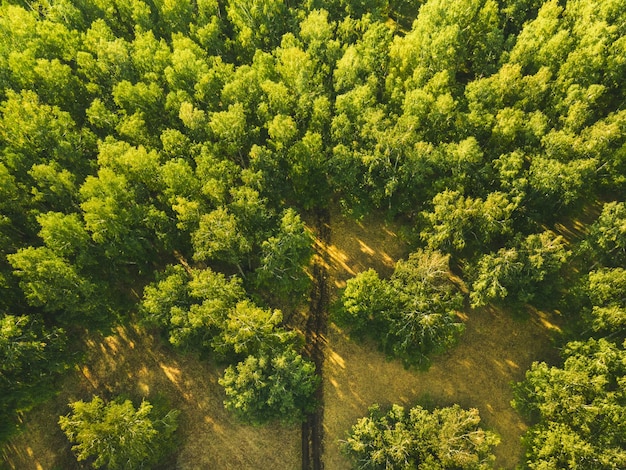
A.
x: 116, y: 435
x: 445, y: 438
x: 53, y: 283
x: 193, y: 307
x: 258, y: 24
x: 457, y: 220
x: 365, y: 303
x: 31, y: 355
x: 412, y: 314
x: 219, y: 238
x: 426, y: 323
x: 170, y: 290
x: 522, y: 273
x: 607, y: 235
x: 65, y: 235
x: 606, y: 289
x: 249, y: 329
x: 578, y: 409
x: 283, y: 260
x: 266, y: 387
x: 462, y: 38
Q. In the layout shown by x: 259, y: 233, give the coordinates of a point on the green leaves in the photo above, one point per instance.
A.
x: 268, y: 387
x: 442, y: 439
x: 31, y: 355
x: 51, y: 282
x: 578, y: 408
x: 522, y: 273
x: 412, y: 314
x: 284, y: 258
x: 457, y: 220
x: 117, y: 435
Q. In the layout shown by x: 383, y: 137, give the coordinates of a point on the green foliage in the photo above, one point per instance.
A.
x: 52, y: 282
x: 137, y: 132
x: 412, y: 314
x: 522, y: 273
x: 192, y: 306
x: 283, y: 259
x: 442, y: 439
x: 457, y: 221
x: 263, y: 388
x: 607, y: 235
x: 249, y: 329
x: 31, y: 355
x: 365, y: 303
x: 578, y: 408
x: 116, y: 435
x: 606, y: 289
x: 169, y: 291
x: 219, y: 238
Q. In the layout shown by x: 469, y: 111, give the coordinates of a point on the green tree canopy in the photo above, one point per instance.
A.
x: 271, y: 387
x: 116, y: 435
x: 578, y: 408
x: 411, y: 315
x: 442, y: 439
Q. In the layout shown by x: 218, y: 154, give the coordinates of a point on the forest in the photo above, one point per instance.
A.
x: 177, y: 170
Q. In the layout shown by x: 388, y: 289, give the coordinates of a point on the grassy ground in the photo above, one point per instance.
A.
x: 136, y: 364
x: 494, y: 350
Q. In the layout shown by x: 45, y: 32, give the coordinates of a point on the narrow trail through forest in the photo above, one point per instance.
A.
x: 316, y: 327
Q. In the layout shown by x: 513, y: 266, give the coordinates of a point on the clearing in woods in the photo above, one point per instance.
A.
x: 494, y: 350
x: 136, y: 364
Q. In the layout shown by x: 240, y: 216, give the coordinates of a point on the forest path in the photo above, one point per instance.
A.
x: 316, y: 328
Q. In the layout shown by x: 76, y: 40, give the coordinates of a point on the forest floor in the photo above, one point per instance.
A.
x: 494, y: 350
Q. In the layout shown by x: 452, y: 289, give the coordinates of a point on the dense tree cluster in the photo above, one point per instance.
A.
x: 180, y: 145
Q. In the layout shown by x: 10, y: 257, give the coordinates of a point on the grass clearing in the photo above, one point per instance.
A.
x: 494, y: 350
x: 136, y: 364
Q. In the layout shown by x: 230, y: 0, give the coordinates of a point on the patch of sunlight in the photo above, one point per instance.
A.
x: 339, y: 259
x: 366, y: 249
x: 113, y: 343
x: 88, y: 375
x: 462, y: 316
x: 387, y: 260
x: 336, y: 359
x: 172, y: 373
x: 512, y: 364
x: 544, y: 319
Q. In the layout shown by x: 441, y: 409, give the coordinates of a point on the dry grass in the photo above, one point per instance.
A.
x: 133, y: 363
x: 494, y: 350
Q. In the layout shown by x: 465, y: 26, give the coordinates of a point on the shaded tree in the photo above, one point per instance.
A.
x: 31, y: 355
